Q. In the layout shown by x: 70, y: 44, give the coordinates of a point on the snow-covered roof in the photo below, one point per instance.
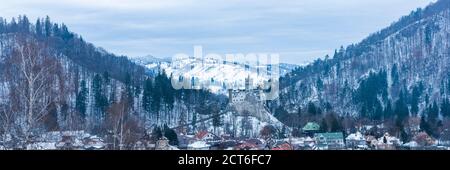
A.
x: 199, y: 144
x: 355, y: 136
x: 42, y: 146
x: 173, y: 147
x: 309, y: 139
x: 411, y: 144
x: 190, y: 136
x: 296, y: 141
x: 362, y: 146
x: 96, y: 145
x: 201, y: 135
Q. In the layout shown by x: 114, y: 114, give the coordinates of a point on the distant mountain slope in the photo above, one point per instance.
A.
x: 217, y: 74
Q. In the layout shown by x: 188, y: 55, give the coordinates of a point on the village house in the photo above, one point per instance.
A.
x: 356, y: 141
x: 66, y: 140
x: 412, y: 145
x: 329, y: 141
x: 226, y: 137
x: 371, y: 141
x: 309, y: 142
x: 139, y: 146
x: 387, y: 142
x: 93, y: 143
x: 413, y: 127
x: 206, y: 136
x: 371, y: 128
x: 250, y: 144
x: 255, y: 141
x: 182, y: 129
x: 163, y: 144
x: 310, y: 128
x: 283, y: 146
x: 246, y: 146
x: 297, y: 143
x: 144, y: 143
x: 444, y: 139
x: 270, y: 143
x: 423, y: 139
x: 224, y: 145
x: 185, y: 140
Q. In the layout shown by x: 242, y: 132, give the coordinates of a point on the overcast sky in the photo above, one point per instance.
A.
x: 299, y: 30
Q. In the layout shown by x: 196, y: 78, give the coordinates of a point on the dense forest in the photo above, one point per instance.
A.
x: 394, y: 76
x: 51, y: 79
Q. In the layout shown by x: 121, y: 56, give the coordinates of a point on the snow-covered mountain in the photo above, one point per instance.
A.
x: 217, y: 75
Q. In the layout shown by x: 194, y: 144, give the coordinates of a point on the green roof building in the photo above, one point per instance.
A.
x: 311, y: 126
x: 329, y: 140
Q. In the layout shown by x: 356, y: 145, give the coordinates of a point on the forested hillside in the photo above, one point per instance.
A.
x: 398, y: 73
x: 52, y: 80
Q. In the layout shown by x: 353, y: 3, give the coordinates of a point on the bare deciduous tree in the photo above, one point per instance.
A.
x: 31, y: 74
x: 124, y: 127
x: 114, y: 122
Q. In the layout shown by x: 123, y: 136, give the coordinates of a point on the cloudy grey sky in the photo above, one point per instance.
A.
x: 299, y: 30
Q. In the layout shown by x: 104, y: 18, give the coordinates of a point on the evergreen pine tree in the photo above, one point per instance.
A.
x: 147, y: 95
x: 171, y: 135
x: 217, y: 120
x: 99, y: 98
x: 48, y: 27
x: 157, y: 94
x: 424, y: 125
x: 319, y: 84
x: 129, y: 90
x: 81, y: 99
x: 2, y: 25
x: 433, y: 113
x: 39, y: 28
x: 415, y: 100
x: 394, y: 75
x: 106, y: 77
x: 312, y: 110
x: 324, y: 126
x: 388, y: 112
x: 378, y: 114
x: 194, y: 122
x: 448, y: 85
x: 401, y: 109
x: 156, y: 133
x: 13, y: 27
x: 445, y: 108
